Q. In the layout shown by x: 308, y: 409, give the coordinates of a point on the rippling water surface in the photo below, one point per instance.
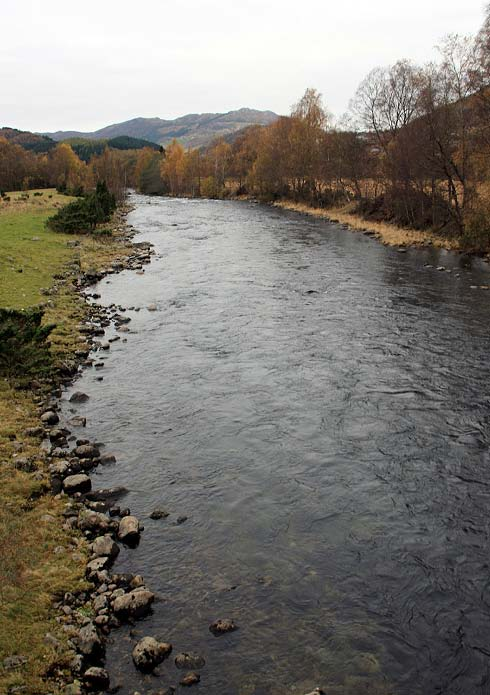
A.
x: 318, y: 406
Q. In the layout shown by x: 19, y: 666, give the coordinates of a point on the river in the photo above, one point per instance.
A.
x: 318, y: 406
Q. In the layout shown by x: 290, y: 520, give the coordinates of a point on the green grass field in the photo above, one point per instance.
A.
x: 32, y: 568
x: 30, y: 254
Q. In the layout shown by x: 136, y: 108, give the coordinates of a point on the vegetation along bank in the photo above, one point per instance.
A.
x: 58, y: 598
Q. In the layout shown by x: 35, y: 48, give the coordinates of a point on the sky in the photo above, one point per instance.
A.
x: 84, y: 65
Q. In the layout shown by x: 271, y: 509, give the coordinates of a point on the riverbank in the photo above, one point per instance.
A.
x: 43, y: 557
x: 388, y: 234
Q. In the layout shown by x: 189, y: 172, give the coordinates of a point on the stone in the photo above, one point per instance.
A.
x: 78, y: 421
x: 96, y: 678
x: 317, y: 691
x: 59, y: 468
x: 78, y: 397
x: 89, y: 642
x: 77, y: 483
x: 50, y: 418
x: 129, y: 530
x: 191, y: 679
x: 86, y: 451
x: 158, y: 514
x: 104, y: 546
x: 149, y: 653
x: 12, y: 662
x: 107, y: 458
x: 222, y: 626
x: 94, y: 522
x: 135, y: 604
x: 73, y: 689
x: 96, y: 566
x: 152, y: 307
x: 189, y: 660
x: 34, y: 432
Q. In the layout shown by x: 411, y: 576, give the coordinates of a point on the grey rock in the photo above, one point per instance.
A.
x: 94, y: 522
x: 222, y: 626
x: 78, y: 397
x: 77, y: 483
x: 191, y: 679
x: 135, y: 604
x: 158, y: 514
x: 129, y: 529
x: 105, y: 546
x: 15, y: 661
x: 149, y: 653
x: 89, y: 642
x: 86, y: 451
x: 50, y: 418
x: 189, y: 660
x: 96, y: 678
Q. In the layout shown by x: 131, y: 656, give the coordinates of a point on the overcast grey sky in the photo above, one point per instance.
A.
x: 86, y: 64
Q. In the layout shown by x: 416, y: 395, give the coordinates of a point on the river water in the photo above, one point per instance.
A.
x: 318, y: 406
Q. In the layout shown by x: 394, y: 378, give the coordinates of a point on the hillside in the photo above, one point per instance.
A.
x: 27, y: 140
x: 194, y: 130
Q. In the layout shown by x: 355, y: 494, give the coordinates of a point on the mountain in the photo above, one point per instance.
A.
x: 193, y: 130
x: 27, y: 140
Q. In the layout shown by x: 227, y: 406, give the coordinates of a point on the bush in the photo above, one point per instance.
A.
x: 24, y: 346
x: 84, y: 214
x: 476, y: 235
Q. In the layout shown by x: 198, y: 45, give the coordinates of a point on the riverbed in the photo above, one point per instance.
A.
x: 318, y: 406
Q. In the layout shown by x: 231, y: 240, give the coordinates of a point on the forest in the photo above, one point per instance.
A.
x: 412, y: 151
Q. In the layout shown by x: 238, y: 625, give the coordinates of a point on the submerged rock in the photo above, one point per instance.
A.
x: 159, y: 514
x: 222, y: 626
x: 190, y: 679
x: 149, y: 653
x: 78, y: 397
x: 189, y: 660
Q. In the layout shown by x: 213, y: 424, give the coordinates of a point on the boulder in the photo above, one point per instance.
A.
x: 34, y: 431
x: 104, y: 546
x: 78, y: 397
x: 89, y: 642
x: 158, y: 514
x: 149, y: 653
x: 94, y: 522
x: 50, y: 418
x: 77, y: 483
x: 189, y: 660
x: 96, y: 678
x: 86, y: 451
x: 129, y: 530
x: 222, y: 626
x: 191, y: 679
x: 135, y: 604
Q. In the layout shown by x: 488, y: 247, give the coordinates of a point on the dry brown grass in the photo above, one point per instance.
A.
x: 388, y: 234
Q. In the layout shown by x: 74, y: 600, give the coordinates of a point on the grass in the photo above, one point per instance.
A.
x: 388, y: 234
x: 38, y: 559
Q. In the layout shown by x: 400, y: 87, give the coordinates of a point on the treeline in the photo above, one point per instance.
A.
x: 61, y: 168
x: 413, y: 150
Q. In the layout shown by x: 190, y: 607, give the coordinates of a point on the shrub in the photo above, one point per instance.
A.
x: 24, y: 345
x: 84, y: 214
x: 476, y: 235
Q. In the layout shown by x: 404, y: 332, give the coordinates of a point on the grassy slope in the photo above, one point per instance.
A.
x: 37, y: 558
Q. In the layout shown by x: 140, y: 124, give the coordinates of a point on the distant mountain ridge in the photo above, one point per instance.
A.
x: 192, y: 130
